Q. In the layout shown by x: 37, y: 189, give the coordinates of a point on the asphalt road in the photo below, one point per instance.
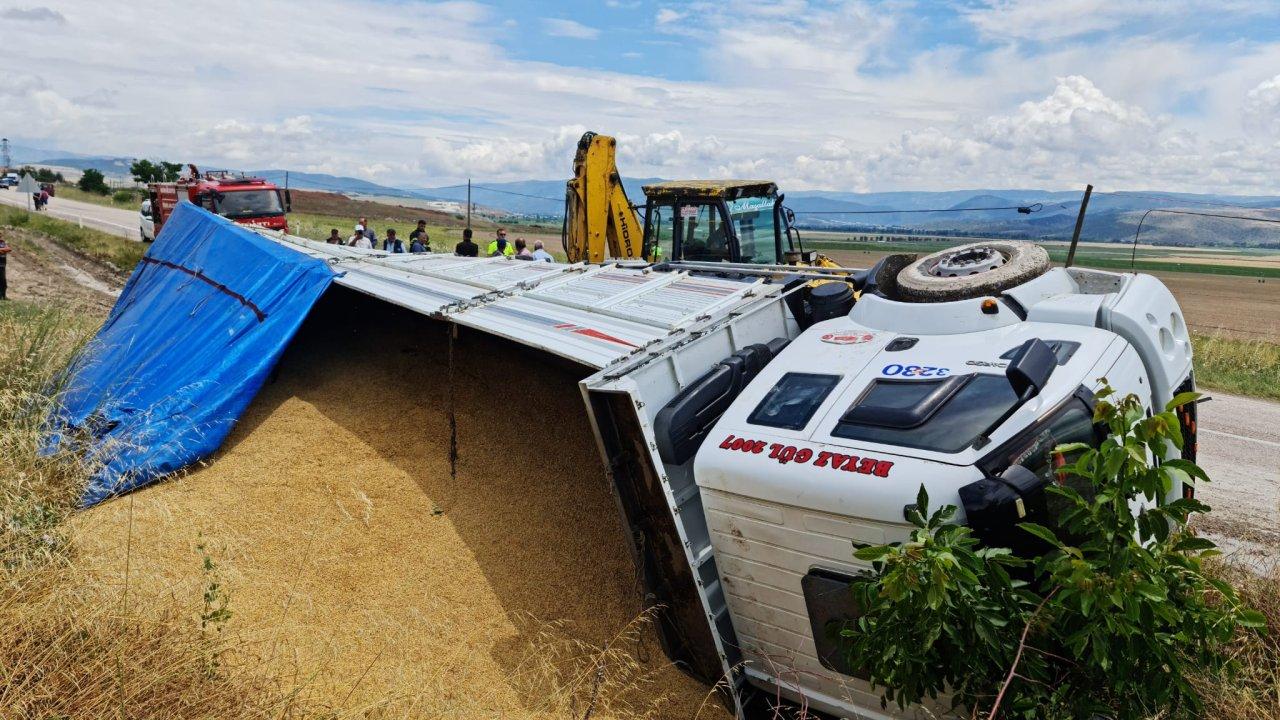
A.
x: 107, y: 219
x: 1240, y: 450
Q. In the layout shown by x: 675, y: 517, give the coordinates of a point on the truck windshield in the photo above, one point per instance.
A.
x: 248, y: 203
x: 936, y: 414
x: 753, y: 223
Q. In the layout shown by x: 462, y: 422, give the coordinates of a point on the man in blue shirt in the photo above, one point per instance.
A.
x: 540, y: 254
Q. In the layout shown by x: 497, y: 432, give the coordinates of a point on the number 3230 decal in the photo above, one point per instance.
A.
x: 802, y: 455
x: 915, y: 370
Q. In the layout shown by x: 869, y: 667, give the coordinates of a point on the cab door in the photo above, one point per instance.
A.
x: 697, y: 230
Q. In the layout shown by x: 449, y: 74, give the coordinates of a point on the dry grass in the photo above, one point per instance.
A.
x: 1255, y: 692
x: 1244, y: 367
x: 67, y: 650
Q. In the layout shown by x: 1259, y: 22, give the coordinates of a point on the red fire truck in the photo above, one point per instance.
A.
x: 242, y: 199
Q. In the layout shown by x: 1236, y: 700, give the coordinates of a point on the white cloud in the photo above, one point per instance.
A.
x: 1261, y: 113
x: 668, y: 16
x: 35, y: 15
x: 808, y: 92
x: 1049, y: 21
x: 558, y: 27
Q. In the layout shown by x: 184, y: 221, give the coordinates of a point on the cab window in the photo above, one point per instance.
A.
x: 1034, y: 450
x: 658, y: 232
x: 703, y: 234
x: 943, y: 415
x: 752, y: 219
x: 794, y: 400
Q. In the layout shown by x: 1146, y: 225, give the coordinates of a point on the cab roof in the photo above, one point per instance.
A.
x: 727, y: 189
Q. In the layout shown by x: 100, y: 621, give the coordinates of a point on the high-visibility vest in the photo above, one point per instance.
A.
x: 509, y: 250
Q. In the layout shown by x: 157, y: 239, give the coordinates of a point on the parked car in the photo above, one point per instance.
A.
x: 146, y: 223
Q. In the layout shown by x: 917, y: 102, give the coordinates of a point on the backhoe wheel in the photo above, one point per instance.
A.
x: 974, y: 270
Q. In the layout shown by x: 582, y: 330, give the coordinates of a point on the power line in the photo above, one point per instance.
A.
x: 1166, y: 198
x: 497, y: 190
x: 1134, y: 256
x: 1023, y: 209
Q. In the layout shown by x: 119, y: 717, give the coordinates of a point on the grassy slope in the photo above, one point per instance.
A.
x: 1243, y: 367
x: 71, y: 192
x: 110, y: 249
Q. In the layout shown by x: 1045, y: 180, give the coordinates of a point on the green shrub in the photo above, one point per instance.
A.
x: 94, y: 182
x: 1115, y: 620
x: 124, y: 197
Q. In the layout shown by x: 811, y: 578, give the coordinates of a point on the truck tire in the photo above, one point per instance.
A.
x: 973, y: 270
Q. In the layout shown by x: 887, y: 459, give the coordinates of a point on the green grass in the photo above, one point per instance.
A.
x: 71, y: 192
x: 1242, y: 367
x: 113, y: 250
x: 443, y: 238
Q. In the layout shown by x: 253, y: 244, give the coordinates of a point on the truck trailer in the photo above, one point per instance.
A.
x: 759, y: 421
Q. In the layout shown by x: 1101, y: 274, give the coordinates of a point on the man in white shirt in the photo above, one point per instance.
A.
x: 360, y: 240
x: 540, y: 255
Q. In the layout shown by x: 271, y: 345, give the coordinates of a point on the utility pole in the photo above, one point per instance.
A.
x: 468, y: 203
x: 1075, y: 237
x: 5, y: 159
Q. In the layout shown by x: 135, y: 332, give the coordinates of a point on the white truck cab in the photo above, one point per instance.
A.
x: 833, y: 438
x: 805, y: 439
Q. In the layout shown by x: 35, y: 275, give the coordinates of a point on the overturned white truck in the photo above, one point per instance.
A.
x: 756, y: 422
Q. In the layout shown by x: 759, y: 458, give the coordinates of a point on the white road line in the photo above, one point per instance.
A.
x: 1246, y: 438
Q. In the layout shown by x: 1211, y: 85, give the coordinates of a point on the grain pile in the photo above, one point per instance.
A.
x: 358, y: 568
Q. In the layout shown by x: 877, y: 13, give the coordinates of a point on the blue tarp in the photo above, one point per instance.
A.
x: 197, y: 329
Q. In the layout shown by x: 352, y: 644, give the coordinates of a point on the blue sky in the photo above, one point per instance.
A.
x: 838, y: 94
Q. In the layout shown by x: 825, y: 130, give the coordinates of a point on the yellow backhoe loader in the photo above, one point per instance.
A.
x: 735, y: 221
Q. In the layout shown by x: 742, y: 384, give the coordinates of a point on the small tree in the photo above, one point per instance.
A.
x: 145, y: 171
x: 93, y: 181
x: 1111, y: 621
x: 169, y: 171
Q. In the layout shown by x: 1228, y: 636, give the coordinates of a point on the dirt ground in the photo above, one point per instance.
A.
x: 1237, y: 307
x: 345, y: 539
x: 41, y: 270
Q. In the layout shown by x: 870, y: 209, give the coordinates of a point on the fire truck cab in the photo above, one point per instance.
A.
x: 239, y: 198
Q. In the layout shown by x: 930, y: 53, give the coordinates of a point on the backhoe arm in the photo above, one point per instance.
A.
x: 598, y: 215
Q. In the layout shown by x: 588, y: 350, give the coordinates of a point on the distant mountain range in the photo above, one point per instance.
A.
x: 1112, y: 217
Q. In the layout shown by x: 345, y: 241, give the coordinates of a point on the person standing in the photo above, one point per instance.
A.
x: 392, y: 244
x: 522, y: 250
x: 500, y: 246
x: 4, y: 251
x: 419, y: 244
x: 334, y: 238
x: 466, y: 248
x: 368, y: 232
x: 44, y: 197
x: 420, y: 232
x: 359, y: 240
x: 539, y: 254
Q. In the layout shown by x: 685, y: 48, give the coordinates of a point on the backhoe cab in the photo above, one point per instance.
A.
x: 736, y: 221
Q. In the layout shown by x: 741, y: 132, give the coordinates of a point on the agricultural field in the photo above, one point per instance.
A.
x: 1224, y: 292
x: 316, y: 213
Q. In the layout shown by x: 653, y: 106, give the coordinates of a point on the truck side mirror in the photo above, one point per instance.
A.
x: 1030, y: 368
